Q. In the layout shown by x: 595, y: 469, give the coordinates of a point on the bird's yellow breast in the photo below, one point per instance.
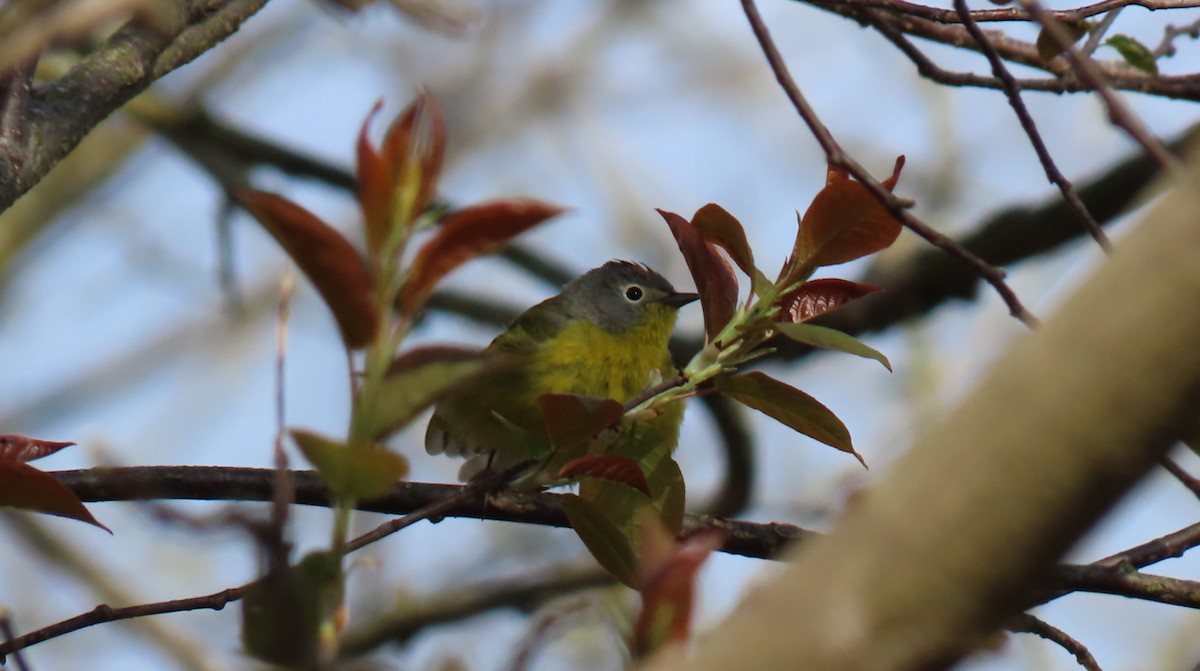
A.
x: 583, y: 358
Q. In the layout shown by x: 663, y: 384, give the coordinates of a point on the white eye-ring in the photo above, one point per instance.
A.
x: 633, y: 293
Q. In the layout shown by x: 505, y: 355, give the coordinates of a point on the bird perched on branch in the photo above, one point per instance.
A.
x: 605, y: 335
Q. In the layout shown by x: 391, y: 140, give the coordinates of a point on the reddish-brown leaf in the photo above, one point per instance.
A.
x: 374, y: 187
x: 668, y: 587
x: 845, y: 222
x: 717, y: 226
x: 466, y: 234
x: 609, y: 467
x: 715, y: 281
x: 816, y: 297
x: 573, y: 420
x: 412, y: 151
x: 23, y: 448
x: 328, y: 260
x: 25, y: 487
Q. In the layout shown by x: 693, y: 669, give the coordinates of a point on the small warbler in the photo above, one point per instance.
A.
x: 605, y: 335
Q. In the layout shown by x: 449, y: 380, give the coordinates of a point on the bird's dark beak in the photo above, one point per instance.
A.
x: 678, y: 299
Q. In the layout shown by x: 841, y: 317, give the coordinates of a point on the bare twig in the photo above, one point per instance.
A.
x: 943, y: 15
x: 1166, y: 48
x: 6, y: 629
x: 101, y: 614
x: 1097, y: 32
x: 1186, y: 479
x: 897, y: 207
x: 523, y: 593
x: 1013, y: 92
x: 284, y: 488
x: 1118, y: 74
x: 1119, y: 113
x: 1028, y: 624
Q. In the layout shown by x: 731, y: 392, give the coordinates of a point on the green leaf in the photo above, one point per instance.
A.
x: 356, y: 471
x: 827, y: 338
x: 607, y: 543
x: 1135, y: 53
x: 669, y: 493
x: 416, y: 380
x: 789, y: 406
x: 290, y: 616
x: 24, y: 487
x: 1048, y: 47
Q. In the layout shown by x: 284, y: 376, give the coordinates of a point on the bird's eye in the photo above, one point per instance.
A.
x: 633, y: 293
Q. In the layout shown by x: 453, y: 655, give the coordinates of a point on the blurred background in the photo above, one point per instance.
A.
x: 137, y: 313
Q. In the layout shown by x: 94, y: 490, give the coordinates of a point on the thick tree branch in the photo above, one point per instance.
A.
x: 59, y: 113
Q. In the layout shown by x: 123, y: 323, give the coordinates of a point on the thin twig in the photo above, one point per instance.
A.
x: 472, y: 491
x: 102, y: 614
x: 1013, y: 92
x: 897, y: 207
x: 6, y: 629
x: 1166, y: 48
x: 1171, y: 546
x: 1119, y: 113
x: 1028, y: 624
x: 1187, y: 479
x: 284, y: 489
x: 943, y: 15
x: 519, y: 592
x: 1097, y: 33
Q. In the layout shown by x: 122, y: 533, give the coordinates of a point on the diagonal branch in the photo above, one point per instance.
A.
x: 1013, y: 92
x: 59, y: 113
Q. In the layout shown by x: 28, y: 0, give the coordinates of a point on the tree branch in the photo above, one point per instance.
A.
x: 59, y: 113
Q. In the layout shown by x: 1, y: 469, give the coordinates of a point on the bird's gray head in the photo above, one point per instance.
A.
x: 616, y: 295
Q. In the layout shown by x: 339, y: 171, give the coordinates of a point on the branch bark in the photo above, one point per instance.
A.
x: 57, y: 115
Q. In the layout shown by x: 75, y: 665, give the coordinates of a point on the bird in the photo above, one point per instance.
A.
x: 604, y: 335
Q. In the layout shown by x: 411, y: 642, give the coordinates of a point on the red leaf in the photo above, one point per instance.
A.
x: 573, y: 420
x: 609, y: 467
x: 466, y: 234
x: 816, y: 297
x: 714, y: 278
x: 412, y: 151
x: 25, y: 487
x: 24, y: 448
x: 328, y: 260
x: 717, y: 226
x: 845, y: 222
x: 668, y: 587
x: 374, y: 186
